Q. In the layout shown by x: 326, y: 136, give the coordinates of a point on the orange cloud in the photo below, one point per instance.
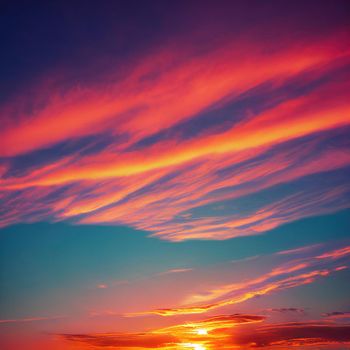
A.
x: 335, y: 254
x: 155, y: 187
x: 290, y: 120
x: 141, y: 202
x: 222, y: 332
x: 144, y: 106
x: 174, y: 337
x: 297, y: 273
x: 290, y: 282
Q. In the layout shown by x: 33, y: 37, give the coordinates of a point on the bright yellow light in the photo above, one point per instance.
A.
x: 199, y: 347
x: 194, y: 346
x: 202, y: 331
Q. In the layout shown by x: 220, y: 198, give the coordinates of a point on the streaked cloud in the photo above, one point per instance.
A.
x: 286, y: 310
x: 129, y: 153
x: 171, y: 271
x: 295, y: 273
x: 337, y: 315
x: 144, y: 106
x: 30, y: 319
x: 296, y: 335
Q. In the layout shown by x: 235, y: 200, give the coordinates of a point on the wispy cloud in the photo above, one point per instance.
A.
x: 172, y: 271
x: 31, y: 319
x: 295, y: 273
x: 144, y: 106
x: 337, y: 315
x: 181, y: 131
x: 287, y: 310
x: 102, y: 286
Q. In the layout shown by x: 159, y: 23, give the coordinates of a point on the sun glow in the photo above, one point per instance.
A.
x: 195, y: 346
x: 202, y: 331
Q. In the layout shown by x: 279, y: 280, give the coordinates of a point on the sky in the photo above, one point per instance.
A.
x: 174, y: 175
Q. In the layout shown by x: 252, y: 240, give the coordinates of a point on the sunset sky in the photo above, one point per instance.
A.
x: 174, y: 175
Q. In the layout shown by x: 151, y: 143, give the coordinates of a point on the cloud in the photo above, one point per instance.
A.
x: 294, y: 335
x: 335, y: 254
x: 224, y: 331
x: 102, y: 286
x: 337, y: 315
x: 241, y: 294
x: 285, y: 122
x: 121, y: 340
x: 298, y: 250
x: 172, y: 271
x: 31, y: 319
x: 171, y: 337
x: 295, y: 273
x: 287, y: 310
x: 181, y: 132
x: 142, y: 106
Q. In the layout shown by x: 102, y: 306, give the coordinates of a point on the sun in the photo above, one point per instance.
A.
x: 195, y: 346
x: 199, y: 347
x: 202, y: 331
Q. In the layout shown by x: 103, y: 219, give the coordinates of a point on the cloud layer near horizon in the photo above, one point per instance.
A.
x: 224, y: 332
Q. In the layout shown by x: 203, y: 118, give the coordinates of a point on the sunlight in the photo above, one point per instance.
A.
x: 202, y: 331
x: 195, y: 346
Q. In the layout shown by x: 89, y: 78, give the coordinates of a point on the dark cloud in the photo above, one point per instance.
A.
x: 337, y: 314
x: 123, y: 340
x: 294, y: 334
x: 287, y: 310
